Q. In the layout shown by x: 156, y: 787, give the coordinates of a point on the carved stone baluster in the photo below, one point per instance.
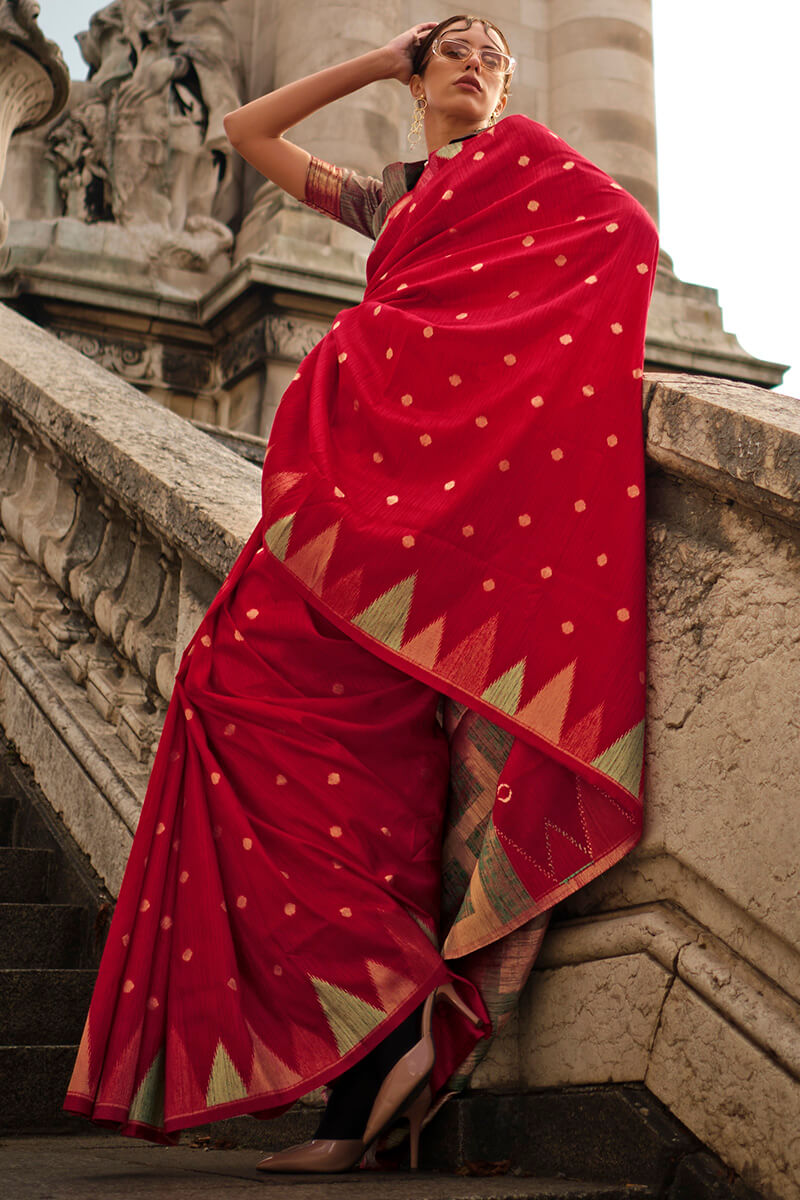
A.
x: 81, y: 542
x: 150, y: 644
x: 8, y: 448
x: 109, y: 566
x: 50, y: 518
x: 20, y: 485
x: 136, y: 597
x: 16, y: 569
x: 198, y: 588
x: 15, y: 456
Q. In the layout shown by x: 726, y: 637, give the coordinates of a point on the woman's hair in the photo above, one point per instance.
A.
x: 423, y: 50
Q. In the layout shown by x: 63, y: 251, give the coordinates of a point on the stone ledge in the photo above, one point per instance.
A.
x: 762, y: 1012
x: 733, y: 438
x: 199, y: 495
x: 80, y: 765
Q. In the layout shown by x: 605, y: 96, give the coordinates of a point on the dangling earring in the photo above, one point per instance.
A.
x: 415, y: 132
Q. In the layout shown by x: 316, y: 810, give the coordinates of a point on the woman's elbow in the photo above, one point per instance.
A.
x: 229, y: 124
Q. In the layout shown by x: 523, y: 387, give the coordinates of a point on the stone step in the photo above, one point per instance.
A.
x: 38, y: 1008
x: 8, y: 810
x: 41, y: 935
x: 24, y: 874
x: 33, y: 1084
x: 105, y: 1167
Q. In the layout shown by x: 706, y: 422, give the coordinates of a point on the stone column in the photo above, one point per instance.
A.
x: 34, y: 83
x: 602, y: 94
x: 361, y: 131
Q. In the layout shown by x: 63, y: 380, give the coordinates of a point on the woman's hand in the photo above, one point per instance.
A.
x: 256, y: 129
x: 400, y: 51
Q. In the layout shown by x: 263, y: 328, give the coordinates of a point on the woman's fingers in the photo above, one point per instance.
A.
x: 402, y: 49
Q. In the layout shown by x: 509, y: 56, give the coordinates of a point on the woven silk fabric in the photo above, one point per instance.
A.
x: 456, y: 476
x: 452, y: 506
x: 279, y: 913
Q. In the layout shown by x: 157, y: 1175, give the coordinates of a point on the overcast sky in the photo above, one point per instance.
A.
x: 729, y: 173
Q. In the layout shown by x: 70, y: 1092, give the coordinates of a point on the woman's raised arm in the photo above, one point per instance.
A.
x: 256, y: 129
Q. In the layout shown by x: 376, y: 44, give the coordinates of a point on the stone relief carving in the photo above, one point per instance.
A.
x: 132, y: 360
x: 291, y: 338
x: 143, y: 143
x: 33, y: 78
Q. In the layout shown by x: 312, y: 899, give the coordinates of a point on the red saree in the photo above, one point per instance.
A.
x: 452, y: 504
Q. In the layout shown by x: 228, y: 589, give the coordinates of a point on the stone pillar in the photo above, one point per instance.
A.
x: 361, y: 131
x: 34, y: 82
x: 602, y: 94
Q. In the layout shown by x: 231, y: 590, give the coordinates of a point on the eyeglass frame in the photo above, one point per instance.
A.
x: 509, y: 70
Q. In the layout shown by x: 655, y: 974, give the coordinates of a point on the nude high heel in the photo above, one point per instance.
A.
x: 403, y: 1093
x: 321, y: 1156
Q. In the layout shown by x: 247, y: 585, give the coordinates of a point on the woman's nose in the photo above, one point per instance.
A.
x: 475, y: 58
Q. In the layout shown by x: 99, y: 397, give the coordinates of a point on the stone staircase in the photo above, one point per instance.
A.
x: 582, y: 1143
x: 49, y: 910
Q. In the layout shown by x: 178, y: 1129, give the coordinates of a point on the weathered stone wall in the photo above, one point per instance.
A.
x: 681, y: 966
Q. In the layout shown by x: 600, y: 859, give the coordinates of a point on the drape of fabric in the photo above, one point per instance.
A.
x: 452, y: 505
x: 279, y: 911
x: 456, y: 477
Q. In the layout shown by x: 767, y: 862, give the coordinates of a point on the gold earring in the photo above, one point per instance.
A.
x: 415, y: 132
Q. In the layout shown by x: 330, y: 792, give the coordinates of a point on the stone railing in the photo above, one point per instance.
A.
x: 680, y: 968
x: 119, y: 522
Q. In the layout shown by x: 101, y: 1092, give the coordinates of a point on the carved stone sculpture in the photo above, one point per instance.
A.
x: 34, y: 82
x: 143, y: 143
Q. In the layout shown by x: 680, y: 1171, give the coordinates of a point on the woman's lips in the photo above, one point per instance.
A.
x: 470, y: 82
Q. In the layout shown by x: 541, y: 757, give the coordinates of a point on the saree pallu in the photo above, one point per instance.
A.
x: 453, y: 519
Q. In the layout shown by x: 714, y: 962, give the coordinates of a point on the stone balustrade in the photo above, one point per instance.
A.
x: 681, y: 966
x: 119, y: 521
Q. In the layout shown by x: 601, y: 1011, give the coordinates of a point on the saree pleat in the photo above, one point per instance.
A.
x: 279, y: 913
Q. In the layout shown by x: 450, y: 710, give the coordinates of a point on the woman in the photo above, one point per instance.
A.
x: 412, y: 719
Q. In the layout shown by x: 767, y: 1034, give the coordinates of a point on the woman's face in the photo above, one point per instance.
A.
x: 466, y: 89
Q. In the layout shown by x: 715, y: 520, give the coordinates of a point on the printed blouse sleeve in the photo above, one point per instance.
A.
x: 345, y: 196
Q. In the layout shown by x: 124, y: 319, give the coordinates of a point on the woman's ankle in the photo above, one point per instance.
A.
x: 353, y: 1092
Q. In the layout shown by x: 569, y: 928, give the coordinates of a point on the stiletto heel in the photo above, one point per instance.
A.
x: 403, y: 1093
x: 411, y: 1073
x: 446, y: 991
x: 416, y: 1115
